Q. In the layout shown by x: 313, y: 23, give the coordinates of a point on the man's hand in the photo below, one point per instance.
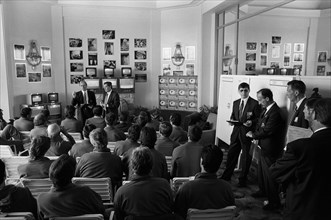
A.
x: 74, y: 94
x: 248, y: 123
x: 249, y: 134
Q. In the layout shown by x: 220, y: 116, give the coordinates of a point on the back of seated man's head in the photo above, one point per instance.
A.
x: 97, y: 110
x: 175, y: 119
x: 212, y: 157
x: 2, y: 172
x: 69, y: 111
x: 39, y: 146
x: 165, y: 129
x: 53, y: 130
x: 322, y: 110
x: 25, y: 112
x: 87, y: 130
x: 194, y: 133
x: 148, y: 137
x: 39, y: 120
x: 142, y: 118
x: 62, y: 171
x: 195, y: 119
x: 134, y: 132
x: 141, y: 161
x: 110, y: 119
x: 98, y: 138
x: 45, y: 112
x: 123, y: 116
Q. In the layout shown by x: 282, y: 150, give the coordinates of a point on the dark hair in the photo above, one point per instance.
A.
x: 243, y: 85
x: 297, y: 85
x: 97, y: 110
x: 194, y: 133
x: 98, y: 138
x: 322, y: 109
x: 62, y: 170
x: 141, y: 161
x: 110, y: 118
x: 134, y: 132
x: 142, y: 118
x: 87, y: 130
x: 123, y: 116
x: 25, y: 112
x: 45, y: 112
x: 108, y: 84
x: 175, y: 119
x: 2, y: 171
x: 69, y: 111
x: 39, y: 146
x: 40, y: 119
x: 165, y: 128
x: 310, y: 102
x: 148, y: 137
x: 194, y: 118
x: 212, y: 157
x: 266, y: 93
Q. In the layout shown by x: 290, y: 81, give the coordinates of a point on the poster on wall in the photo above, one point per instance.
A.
x: 298, y: 57
x: 93, y: 59
x: 75, y: 42
x: 275, y: 52
x: 76, y: 67
x: 166, y: 53
x: 109, y: 64
x: 140, y: 66
x: 287, y: 60
x: 299, y: 47
x: 20, y: 69
x: 276, y: 39
x: 264, y: 48
x: 274, y: 64
x: 108, y: 34
x: 76, y: 54
x: 320, y: 71
x: 321, y: 56
x: 125, y: 44
x: 140, y: 54
x: 250, y: 67
x: 45, y: 53
x: 47, y: 70
x: 190, y: 53
x: 251, y: 46
x: 166, y: 69
x: 125, y: 59
x: 189, y: 69
x: 109, y: 48
x: 250, y: 56
x: 287, y: 49
x: 263, y: 60
x: 34, y: 77
x: 19, y: 52
x: 140, y: 43
x: 75, y: 79
x: 91, y: 44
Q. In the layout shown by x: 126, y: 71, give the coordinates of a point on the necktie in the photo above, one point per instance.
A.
x: 85, y: 98
x: 293, y: 115
x: 106, y: 98
x: 241, y: 108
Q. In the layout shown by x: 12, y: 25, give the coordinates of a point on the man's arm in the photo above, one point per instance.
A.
x: 271, y: 126
x: 92, y: 98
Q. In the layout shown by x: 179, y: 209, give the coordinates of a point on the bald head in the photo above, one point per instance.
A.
x: 39, y: 119
x: 53, y: 130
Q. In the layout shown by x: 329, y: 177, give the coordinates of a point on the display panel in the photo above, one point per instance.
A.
x: 127, y: 83
x: 53, y: 97
x: 36, y: 99
x: 91, y: 72
x: 112, y: 80
x: 126, y: 72
x: 92, y: 83
x: 109, y: 72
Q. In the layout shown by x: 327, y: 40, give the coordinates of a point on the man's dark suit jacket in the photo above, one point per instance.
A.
x: 79, y: 99
x: 304, y: 169
x: 251, y: 112
x: 270, y: 132
x: 113, y: 102
x: 298, y: 119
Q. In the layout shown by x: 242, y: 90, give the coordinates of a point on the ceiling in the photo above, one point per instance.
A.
x: 298, y: 4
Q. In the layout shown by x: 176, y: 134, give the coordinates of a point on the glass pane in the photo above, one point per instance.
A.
x: 231, y: 15
x: 230, y: 48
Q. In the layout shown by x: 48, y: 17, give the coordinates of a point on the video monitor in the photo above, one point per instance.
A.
x: 127, y: 83
x: 54, y: 109
x: 35, y: 110
x: 91, y: 72
x: 93, y: 83
x: 112, y: 80
x: 126, y: 72
x: 53, y: 97
x: 109, y: 72
x: 36, y: 99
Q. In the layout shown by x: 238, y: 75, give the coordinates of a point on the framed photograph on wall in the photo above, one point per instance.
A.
x: 45, y: 53
x: 276, y: 39
x: 190, y: 53
x: 125, y: 59
x: 19, y: 52
x: 109, y: 64
x: 76, y: 67
x: 263, y: 60
x: 75, y: 42
x: 166, y: 69
x: 140, y: 54
x: 34, y: 77
x: 76, y: 54
x: 287, y: 60
x: 91, y: 44
x: 297, y: 57
x: 166, y: 53
x: 250, y: 67
x: 140, y: 66
x: 47, y: 70
x: 320, y: 71
x: 178, y: 73
x: 250, y: 56
x: 264, y: 48
x: 125, y: 43
x: 20, y: 69
x: 189, y: 69
x: 75, y: 79
x: 92, y: 59
x: 109, y: 48
x: 321, y: 56
x: 274, y: 64
x: 275, y: 51
x: 299, y: 47
x: 108, y: 34
x: 140, y: 43
x: 287, y: 49
x: 251, y: 46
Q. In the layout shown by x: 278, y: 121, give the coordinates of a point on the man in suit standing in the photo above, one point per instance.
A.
x: 84, y: 101
x: 111, y: 99
x: 246, y: 111
x: 269, y: 136
x: 305, y: 166
x: 296, y: 94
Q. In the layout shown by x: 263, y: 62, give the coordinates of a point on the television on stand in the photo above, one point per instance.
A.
x: 91, y: 72
x: 113, y: 82
x: 35, y: 110
x: 109, y: 72
x: 126, y: 72
x: 35, y: 99
x: 126, y: 85
x: 54, y: 109
x: 53, y: 97
x: 93, y: 84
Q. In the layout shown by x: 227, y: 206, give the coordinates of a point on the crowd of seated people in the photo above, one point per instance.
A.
x: 164, y: 144
x: 114, y: 134
x: 85, y: 146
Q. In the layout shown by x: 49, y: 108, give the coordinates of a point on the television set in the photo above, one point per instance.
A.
x: 91, y: 72
x: 35, y: 110
x: 93, y: 83
x: 54, y: 109
x: 109, y: 72
x: 35, y: 99
x: 126, y: 72
x: 53, y: 97
x: 112, y: 80
x: 126, y: 85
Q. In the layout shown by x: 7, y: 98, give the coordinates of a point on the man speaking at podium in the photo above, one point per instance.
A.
x: 111, y: 99
x: 84, y: 101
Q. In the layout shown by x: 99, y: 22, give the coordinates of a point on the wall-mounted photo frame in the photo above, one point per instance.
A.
x: 250, y: 67
x: 263, y: 60
x: 109, y: 64
x: 297, y: 57
x: 108, y: 34
x: 47, y: 70
x: 140, y: 54
x: 34, y: 77
x: 320, y: 70
x: 140, y: 66
x: 178, y: 73
x: 264, y: 48
x: 19, y: 52
x: 321, y: 56
x: 276, y: 39
x: 125, y: 44
x: 287, y: 49
x: 76, y: 67
x: 250, y: 56
x: 251, y: 46
x: 93, y: 59
x: 274, y: 64
x: 92, y: 44
x: 125, y: 59
x: 275, y: 52
x: 190, y: 53
x: 287, y: 60
x: 299, y: 48
x: 109, y: 48
x: 45, y: 54
x: 75, y: 79
x: 75, y: 42
x: 76, y: 54
x: 20, y: 69
x: 166, y: 69
x: 140, y: 43
x: 166, y: 53
x: 189, y: 69
x: 139, y: 77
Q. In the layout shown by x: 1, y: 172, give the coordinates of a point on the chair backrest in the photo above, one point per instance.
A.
x: 76, y: 135
x: 12, y: 163
x: 168, y: 160
x: 111, y: 146
x: 226, y: 213
x: 53, y: 157
x: 6, y: 151
x: 178, y: 181
x: 37, y: 186
x: 25, y: 134
x: 125, y: 182
x: 102, y: 186
x: 212, y: 119
x: 17, y: 216
x: 81, y: 217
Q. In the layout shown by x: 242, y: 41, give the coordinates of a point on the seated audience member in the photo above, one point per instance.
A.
x: 38, y: 165
x: 186, y: 158
x: 58, y: 145
x: 14, y: 198
x: 40, y: 128
x: 142, y: 118
x: 130, y: 142
x: 196, y: 119
x: 205, y: 191
x: 178, y: 134
x: 47, y: 114
x: 123, y: 125
x: 85, y: 146
x: 145, y: 197
x: 101, y: 162
x: 303, y: 168
x: 65, y: 198
x: 164, y: 144
x: 11, y: 136
x: 97, y: 118
x: 70, y: 123
x: 309, y: 107
x: 3, y: 122
x: 24, y: 123
x: 152, y: 123
x: 113, y: 133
